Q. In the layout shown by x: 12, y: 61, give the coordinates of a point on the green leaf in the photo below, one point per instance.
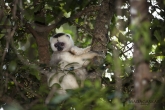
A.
x: 157, y: 35
x: 12, y: 66
x: 49, y: 18
x: 60, y: 98
x: 61, y: 78
x: 1, y: 36
x: 108, y: 58
x: 35, y: 72
x: 38, y: 107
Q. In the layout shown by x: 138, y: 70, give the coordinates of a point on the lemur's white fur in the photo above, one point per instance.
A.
x: 67, y: 56
x: 66, y: 38
x: 69, y: 45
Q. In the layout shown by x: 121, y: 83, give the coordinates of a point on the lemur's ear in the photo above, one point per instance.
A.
x: 68, y: 35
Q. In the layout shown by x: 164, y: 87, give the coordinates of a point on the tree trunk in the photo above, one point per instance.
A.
x: 100, y: 38
x: 43, y: 47
x: 41, y: 37
x: 100, y: 33
x: 139, y: 12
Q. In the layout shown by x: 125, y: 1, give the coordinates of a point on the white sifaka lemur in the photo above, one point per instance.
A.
x: 67, y: 57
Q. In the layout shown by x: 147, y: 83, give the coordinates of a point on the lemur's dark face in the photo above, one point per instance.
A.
x: 59, y: 46
x: 61, y: 42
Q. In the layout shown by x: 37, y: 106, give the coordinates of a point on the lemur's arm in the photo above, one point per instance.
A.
x: 78, y: 51
x: 55, y: 59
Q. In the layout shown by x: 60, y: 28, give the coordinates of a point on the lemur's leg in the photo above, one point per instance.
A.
x: 78, y: 51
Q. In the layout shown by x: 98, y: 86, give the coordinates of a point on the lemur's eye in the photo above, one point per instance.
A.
x: 59, y: 44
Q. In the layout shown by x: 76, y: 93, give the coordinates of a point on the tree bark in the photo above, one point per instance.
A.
x: 100, y: 32
x: 100, y: 36
x: 43, y: 47
x: 41, y: 37
x: 139, y: 12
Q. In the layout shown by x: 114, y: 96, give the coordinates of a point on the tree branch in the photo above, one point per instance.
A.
x: 29, y: 27
x: 86, y: 11
x: 8, y: 38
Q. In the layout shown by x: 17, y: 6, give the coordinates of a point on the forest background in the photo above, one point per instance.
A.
x: 129, y: 32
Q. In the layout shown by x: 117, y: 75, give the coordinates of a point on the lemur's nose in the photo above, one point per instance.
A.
x: 59, y: 46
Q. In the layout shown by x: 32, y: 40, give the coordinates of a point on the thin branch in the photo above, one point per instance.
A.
x: 89, y: 31
x: 128, y: 49
x: 29, y: 27
x: 21, y: 58
x: 28, y: 106
x: 46, y: 28
x: 14, y: 10
x: 121, y: 52
x: 16, y: 84
x: 8, y: 38
x: 86, y: 11
x: 5, y: 26
x: 6, y: 82
x: 26, y: 62
x: 10, y: 33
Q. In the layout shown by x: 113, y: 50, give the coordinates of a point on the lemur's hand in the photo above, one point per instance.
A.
x: 100, y: 53
x: 78, y: 51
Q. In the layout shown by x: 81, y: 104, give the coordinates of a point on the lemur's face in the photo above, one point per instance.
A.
x: 61, y: 42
